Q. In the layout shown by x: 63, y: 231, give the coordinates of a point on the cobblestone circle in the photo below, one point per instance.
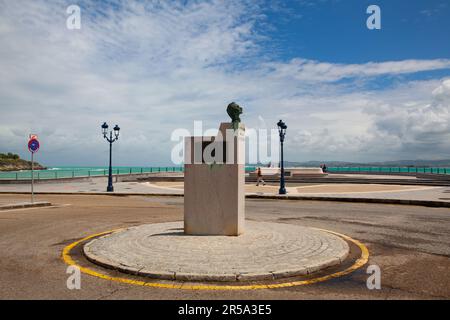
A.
x: 265, y: 251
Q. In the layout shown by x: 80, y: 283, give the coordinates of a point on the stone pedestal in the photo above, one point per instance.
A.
x: 214, y: 182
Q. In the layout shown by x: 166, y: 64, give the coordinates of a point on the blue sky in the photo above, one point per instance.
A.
x: 346, y: 92
x: 335, y: 31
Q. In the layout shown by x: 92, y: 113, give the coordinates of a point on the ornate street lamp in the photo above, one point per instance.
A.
x: 282, y: 131
x: 111, y: 140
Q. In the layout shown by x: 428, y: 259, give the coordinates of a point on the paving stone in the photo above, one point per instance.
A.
x: 265, y: 251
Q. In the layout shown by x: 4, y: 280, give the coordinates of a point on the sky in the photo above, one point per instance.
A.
x: 346, y: 92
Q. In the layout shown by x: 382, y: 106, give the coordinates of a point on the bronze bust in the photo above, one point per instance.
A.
x: 234, y: 111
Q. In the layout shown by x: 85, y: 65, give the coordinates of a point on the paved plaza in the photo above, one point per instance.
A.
x: 410, y: 244
x: 338, y: 190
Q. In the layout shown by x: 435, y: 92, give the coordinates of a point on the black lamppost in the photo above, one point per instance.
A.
x: 105, y: 126
x: 282, y: 131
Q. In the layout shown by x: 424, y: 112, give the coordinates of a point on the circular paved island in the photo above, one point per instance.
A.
x: 266, y: 251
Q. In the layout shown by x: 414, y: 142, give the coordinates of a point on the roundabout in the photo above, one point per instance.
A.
x: 311, y: 256
x: 397, y: 236
x: 266, y: 251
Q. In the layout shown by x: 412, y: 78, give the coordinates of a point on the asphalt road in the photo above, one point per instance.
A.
x: 410, y: 244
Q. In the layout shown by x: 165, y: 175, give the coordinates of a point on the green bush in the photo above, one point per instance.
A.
x: 9, y: 155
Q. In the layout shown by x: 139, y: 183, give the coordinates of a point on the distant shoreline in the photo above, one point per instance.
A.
x: 10, y: 167
x: 12, y: 162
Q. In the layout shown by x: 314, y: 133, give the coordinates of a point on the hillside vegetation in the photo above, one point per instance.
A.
x: 12, y: 162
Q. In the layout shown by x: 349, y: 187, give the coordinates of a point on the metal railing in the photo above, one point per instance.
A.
x: 83, y: 173
x: 390, y: 170
x: 80, y: 173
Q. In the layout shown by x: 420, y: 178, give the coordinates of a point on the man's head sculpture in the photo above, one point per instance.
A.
x: 234, y: 111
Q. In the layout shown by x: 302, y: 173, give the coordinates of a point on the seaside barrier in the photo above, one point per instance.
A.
x: 389, y: 170
x: 53, y: 174
x: 62, y: 173
x: 81, y: 173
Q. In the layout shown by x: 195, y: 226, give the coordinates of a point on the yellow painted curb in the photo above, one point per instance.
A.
x: 358, y: 264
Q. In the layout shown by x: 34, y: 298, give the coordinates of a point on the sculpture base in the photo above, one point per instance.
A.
x: 214, y: 201
x: 214, y: 191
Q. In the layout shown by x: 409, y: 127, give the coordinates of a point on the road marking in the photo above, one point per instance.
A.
x: 392, y: 190
x: 171, y: 188
x: 299, y: 190
x: 361, y: 261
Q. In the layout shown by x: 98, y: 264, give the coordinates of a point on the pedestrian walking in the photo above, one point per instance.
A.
x: 259, y: 178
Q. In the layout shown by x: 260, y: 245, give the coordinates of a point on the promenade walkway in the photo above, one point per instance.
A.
x: 360, y: 191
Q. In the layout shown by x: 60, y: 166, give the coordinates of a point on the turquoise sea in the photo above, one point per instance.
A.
x: 72, y: 172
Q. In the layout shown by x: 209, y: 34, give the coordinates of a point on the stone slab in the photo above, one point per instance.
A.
x: 214, y: 191
x: 24, y: 205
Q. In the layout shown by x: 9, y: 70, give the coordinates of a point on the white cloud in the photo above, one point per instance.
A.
x: 315, y: 71
x: 154, y: 66
x: 420, y: 128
